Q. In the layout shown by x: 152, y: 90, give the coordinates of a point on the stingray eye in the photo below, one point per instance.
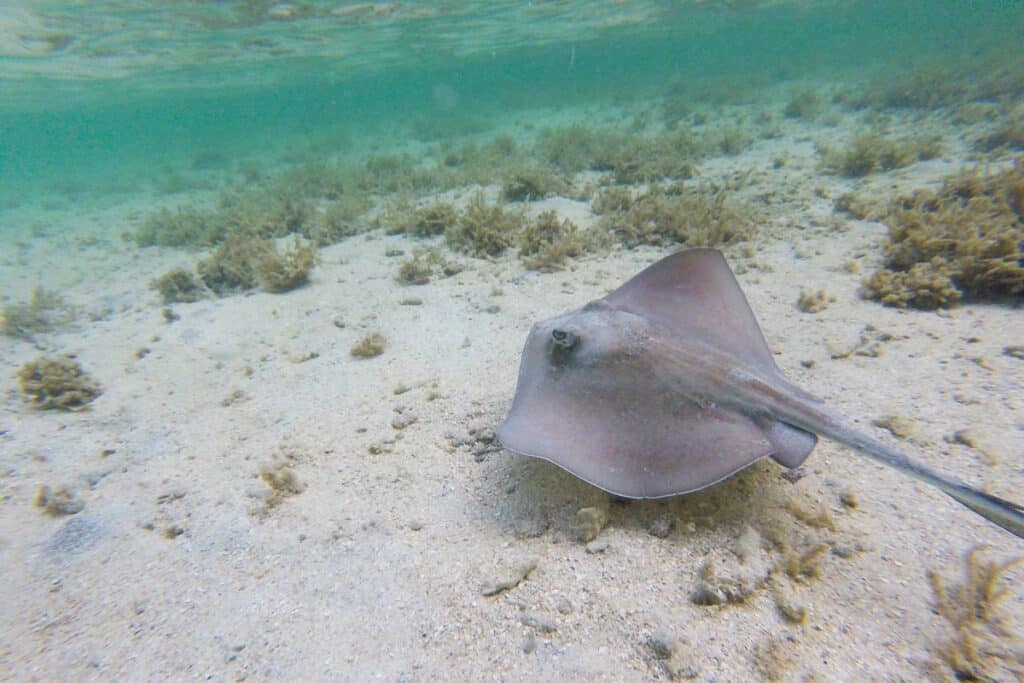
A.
x: 564, y: 339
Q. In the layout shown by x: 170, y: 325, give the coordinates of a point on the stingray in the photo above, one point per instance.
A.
x: 666, y: 386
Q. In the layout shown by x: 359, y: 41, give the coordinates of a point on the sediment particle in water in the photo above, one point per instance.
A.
x: 59, y: 501
x: 1014, y: 352
x: 508, y: 577
x: 849, y: 499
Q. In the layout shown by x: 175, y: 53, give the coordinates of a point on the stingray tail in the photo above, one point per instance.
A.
x: 1008, y: 515
x: 1004, y: 513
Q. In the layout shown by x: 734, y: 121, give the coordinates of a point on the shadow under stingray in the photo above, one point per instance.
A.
x: 533, y: 496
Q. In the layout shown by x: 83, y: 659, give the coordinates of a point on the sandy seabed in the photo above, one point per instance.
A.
x: 184, y: 563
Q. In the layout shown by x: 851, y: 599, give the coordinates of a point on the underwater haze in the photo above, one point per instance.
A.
x: 103, y: 95
x: 267, y: 270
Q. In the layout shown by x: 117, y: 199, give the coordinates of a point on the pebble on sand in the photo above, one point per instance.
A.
x: 508, y: 577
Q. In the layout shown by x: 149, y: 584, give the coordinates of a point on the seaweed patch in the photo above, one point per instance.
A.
x: 983, y: 646
x: 57, y: 383
x: 964, y: 242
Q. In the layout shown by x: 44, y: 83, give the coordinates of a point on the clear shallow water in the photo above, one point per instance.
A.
x: 112, y: 111
x: 98, y: 96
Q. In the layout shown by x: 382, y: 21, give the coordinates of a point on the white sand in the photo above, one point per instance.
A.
x: 375, y: 570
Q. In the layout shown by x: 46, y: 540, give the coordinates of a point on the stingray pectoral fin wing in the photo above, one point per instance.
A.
x: 634, y: 446
x: 694, y: 295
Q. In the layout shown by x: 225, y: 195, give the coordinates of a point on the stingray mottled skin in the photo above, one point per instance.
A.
x: 667, y: 386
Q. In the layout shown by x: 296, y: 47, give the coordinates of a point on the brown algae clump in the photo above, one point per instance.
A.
x: 677, y: 215
x: 1008, y: 135
x: 531, y: 184
x: 178, y: 286
x: 186, y: 226
x: 369, y: 346
x: 814, y: 302
x: 922, y: 285
x: 612, y: 199
x: 926, y: 86
x: 432, y: 220
x: 57, y: 383
x: 573, y: 148
x: 341, y: 219
x: 271, y: 206
x: 483, y: 229
x: 546, y: 242
x: 281, y: 480
x: 242, y: 262
x: 424, y: 264
x: 588, y: 523
x: 58, y: 501
x: 231, y: 266
x: 965, y: 241
x: 982, y: 647
x: 805, y: 103
x: 45, y: 311
x: 415, y: 270
x: 282, y: 271
x: 869, y: 152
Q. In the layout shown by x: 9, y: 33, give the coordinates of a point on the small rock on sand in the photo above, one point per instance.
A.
x: 588, y: 522
x: 508, y: 577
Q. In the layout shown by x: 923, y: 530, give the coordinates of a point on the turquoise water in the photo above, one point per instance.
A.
x: 266, y: 274
x: 104, y: 97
